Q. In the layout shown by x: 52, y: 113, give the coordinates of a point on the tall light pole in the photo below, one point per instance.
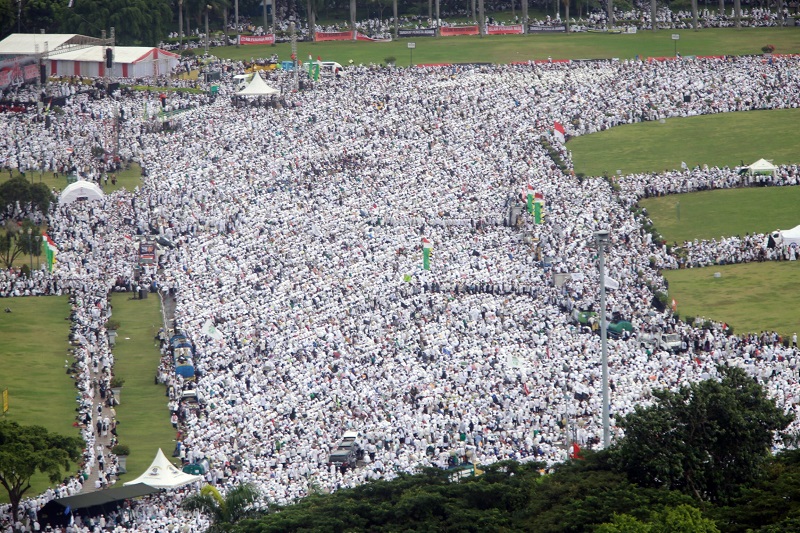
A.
x: 208, y: 8
x: 601, y: 239
x: 180, y: 26
x: 30, y: 247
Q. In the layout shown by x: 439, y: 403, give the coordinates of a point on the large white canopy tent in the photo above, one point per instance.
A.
x: 80, y: 190
x: 258, y: 87
x: 762, y: 166
x: 161, y: 474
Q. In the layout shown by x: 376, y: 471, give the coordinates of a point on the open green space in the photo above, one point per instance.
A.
x: 126, y: 179
x: 723, y: 213
x: 143, y: 415
x: 714, y: 140
x: 751, y: 297
x: 510, y: 48
x: 35, y: 340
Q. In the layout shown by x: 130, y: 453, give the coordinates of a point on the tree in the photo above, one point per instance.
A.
x: 224, y: 511
x: 706, y: 439
x: 27, y: 449
x: 19, y: 239
x: 680, y: 519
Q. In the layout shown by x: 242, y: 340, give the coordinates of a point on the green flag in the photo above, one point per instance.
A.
x: 426, y: 254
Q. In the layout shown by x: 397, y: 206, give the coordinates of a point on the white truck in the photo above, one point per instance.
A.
x: 669, y: 342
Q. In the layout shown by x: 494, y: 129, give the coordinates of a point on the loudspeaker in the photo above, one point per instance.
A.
x: 43, y: 73
x: 109, y: 57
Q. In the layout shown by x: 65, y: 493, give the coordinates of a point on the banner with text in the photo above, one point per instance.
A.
x: 321, y: 36
x: 17, y: 71
x: 513, y: 29
x: 257, y: 39
x: 420, y: 32
x: 458, y: 30
x: 539, y: 28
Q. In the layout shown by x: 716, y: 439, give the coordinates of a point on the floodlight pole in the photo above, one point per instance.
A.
x: 601, y: 238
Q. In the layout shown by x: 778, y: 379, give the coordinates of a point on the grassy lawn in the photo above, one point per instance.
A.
x: 34, y: 347
x: 127, y: 179
x: 143, y: 415
x: 715, y: 140
x: 750, y: 297
x: 509, y: 48
x: 713, y: 214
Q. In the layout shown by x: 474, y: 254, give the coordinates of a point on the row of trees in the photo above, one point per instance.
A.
x: 697, y: 461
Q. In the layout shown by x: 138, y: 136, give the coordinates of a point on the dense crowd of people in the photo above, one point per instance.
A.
x: 382, y: 27
x: 298, y: 234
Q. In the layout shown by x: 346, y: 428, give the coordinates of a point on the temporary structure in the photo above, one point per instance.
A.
x: 791, y: 236
x: 128, y: 62
x: 80, y: 190
x: 161, y: 474
x: 70, y: 54
x: 762, y: 166
x: 258, y: 87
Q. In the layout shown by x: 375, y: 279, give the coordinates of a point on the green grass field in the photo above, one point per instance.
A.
x: 715, y: 140
x: 750, y: 297
x: 34, y: 347
x: 127, y: 179
x: 714, y: 214
x: 142, y: 414
x: 510, y: 48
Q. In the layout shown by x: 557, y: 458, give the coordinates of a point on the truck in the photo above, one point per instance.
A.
x: 668, y: 342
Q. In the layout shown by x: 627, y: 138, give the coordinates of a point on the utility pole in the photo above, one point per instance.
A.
x: 601, y: 238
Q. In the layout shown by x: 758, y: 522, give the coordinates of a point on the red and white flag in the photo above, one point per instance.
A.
x: 559, y: 132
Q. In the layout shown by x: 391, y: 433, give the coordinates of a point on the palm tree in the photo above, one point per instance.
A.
x: 224, y: 511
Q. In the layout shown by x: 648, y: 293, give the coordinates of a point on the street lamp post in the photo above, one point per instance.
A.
x: 208, y: 8
x: 30, y: 246
x: 601, y: 239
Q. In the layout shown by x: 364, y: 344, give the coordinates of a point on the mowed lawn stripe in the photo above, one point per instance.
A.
x: 751, y: 297
x: 510, y: 48
x: 35, y: 340
x: 724, y: 139
x: 144, y: 419
x: 724, y: 213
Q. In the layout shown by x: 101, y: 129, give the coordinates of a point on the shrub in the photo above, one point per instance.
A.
x: 121, y: 449
x: 117, y: 382
x: 768, y: 48
x: 112, y: 325
x: 390, y: 60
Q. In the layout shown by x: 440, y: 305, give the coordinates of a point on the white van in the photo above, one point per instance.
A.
x: 242, y: 80
x: 327, y: 69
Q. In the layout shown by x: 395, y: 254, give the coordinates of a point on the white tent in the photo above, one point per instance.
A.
x: 80, y: 190
x: 762, y: 166
x: 258, y: 87
x: 791, y: 236
x: 161, y: 474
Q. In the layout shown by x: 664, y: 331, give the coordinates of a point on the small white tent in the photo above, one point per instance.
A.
x: 762, y: 166
x: 258, y: 87
x: 161, y: 474
x: 80, y: 190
